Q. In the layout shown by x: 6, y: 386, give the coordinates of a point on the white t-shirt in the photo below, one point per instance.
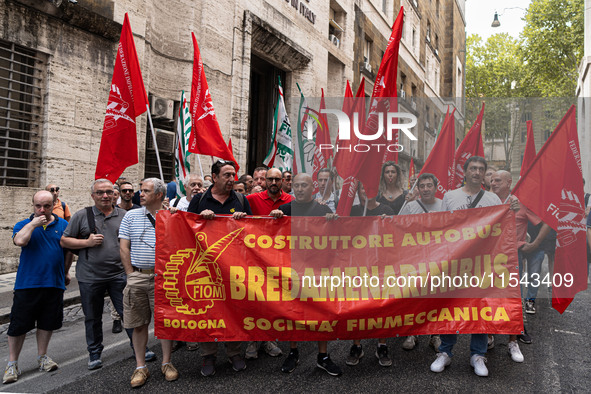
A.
x: 183, y: 205
x: 413, y: 207
x: 458, y: 199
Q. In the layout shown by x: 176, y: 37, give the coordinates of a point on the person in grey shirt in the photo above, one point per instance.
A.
x: 99, y: 268
x: 427, y: 202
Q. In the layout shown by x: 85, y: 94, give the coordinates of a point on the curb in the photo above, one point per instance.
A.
x: 70, y: 299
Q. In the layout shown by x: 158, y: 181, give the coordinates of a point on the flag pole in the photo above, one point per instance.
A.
x: 412, y: 189
x: 155, y: 143
x: 200, y: 167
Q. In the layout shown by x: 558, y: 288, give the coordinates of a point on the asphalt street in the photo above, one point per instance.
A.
x: 557, y: 361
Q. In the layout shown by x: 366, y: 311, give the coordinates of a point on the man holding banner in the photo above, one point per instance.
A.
x: 305, y: 205
x: 221, y: 198
x: 469, y: 196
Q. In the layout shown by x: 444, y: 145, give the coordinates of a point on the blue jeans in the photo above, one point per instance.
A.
x: 92, y: 296
x: 534, y: 266
x: 478, y: 343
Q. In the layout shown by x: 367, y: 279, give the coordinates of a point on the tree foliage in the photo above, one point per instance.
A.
x: 551, y: 47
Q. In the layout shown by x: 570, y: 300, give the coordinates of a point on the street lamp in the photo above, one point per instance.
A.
x: 496, y: 22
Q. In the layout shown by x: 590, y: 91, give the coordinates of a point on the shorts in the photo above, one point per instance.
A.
x: 43, y: 306
x: 138, y: 300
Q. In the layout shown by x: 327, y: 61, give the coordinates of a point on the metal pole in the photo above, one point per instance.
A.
x: 155, y: 143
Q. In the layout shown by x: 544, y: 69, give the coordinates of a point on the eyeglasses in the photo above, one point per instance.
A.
x: 127, y: 191
x: 101, y: 192
x: 54, y: 189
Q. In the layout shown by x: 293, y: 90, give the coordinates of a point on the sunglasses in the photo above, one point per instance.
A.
x: 54, y: 189
x: 127, y: 191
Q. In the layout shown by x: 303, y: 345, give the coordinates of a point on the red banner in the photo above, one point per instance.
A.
x: 357, y: 277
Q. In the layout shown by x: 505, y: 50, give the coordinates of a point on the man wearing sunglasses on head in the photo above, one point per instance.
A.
x: 61, y: 209
x: 220, y: 198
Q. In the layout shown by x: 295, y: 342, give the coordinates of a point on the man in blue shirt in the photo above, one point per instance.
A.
x: 40, y: 283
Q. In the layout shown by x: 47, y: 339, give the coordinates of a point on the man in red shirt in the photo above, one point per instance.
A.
x: 262, y: 204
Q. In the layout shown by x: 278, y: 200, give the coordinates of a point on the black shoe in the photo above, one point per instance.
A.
x: 355, y: 355
x: 292, y: 360
x: 117, y: 327
x: 208, y: 366
x: 525, y: 338
x: 382, y: 356
x: 330, y: 367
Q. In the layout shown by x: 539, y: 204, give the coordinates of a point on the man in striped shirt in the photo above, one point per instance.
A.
x: 137, y: 246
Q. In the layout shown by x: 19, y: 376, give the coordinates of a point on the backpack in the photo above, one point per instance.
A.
x: 91, y: 226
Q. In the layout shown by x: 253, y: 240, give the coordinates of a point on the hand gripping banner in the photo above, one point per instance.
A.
x: 355, y: 277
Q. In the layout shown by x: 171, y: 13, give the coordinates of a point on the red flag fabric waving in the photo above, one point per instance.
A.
x: 411, y: 172
x: 368, y: 164
x: 552, y: 188
x: 343, y: 157
x: 323, y: 134
x: 343, y: 161
x: 530, y: 149
x: 206, y: 136
x: 127, y: 100
x: 471, y: 146
x: 441, y: 158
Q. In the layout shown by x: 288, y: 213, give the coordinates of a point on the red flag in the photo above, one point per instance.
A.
x: 368, y: 164
x: 127, y: 100
x: 530, y: 149
x: 343, y: 161
x: 321, y: 156
x: 323, y: 134
x: 411, y: 172
x: 441, y: 158
x: 552, y: 188
x: 206, y: 136
x: 471, y: 146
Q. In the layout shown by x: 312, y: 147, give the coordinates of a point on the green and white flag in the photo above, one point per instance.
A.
x: 304, y: 148
x: 281, y: 153
x: 182, y: 167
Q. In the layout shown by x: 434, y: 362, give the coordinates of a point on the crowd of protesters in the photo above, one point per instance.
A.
x: 115, y: 240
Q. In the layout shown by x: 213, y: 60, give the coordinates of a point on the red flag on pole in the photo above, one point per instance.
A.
x: 530, y: 149
x: 411, y: 172
x: 321, y: 156
x: 343, y: 161
x: 343, y: 156
x: 471, y: 146
x: 127, y: 100
x: 441, y: 158
x: 368, y: 164
x: 206, y: 136
x: 552, y: 188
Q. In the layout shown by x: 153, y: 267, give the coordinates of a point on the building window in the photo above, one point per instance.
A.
x: 367, y: 50
x: 21, y: 77
x: 428, y: 38
x: 414, y: 38
x: 385, y: 6
x: 403, y: 25
x: 437, y: 8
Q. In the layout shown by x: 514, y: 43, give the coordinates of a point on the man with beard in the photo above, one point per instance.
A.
x: 220, y: 198
x: 126, y: 192
x: 262, y: 204
x: 305, y: 205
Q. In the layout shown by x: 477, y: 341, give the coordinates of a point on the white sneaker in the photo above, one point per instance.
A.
x: 409, y: 343
x: 442, y: 361
x: 491, y: 342
x: 515, y: 352
x: 271, y: 348
x: 477, y: 362
x: 435, y: 342
x: 252, y: 351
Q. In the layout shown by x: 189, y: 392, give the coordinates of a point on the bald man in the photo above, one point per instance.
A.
x: 41, y: 279
x: 60, y: 208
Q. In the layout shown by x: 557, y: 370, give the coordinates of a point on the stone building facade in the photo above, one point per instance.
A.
x: 57, y: 58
